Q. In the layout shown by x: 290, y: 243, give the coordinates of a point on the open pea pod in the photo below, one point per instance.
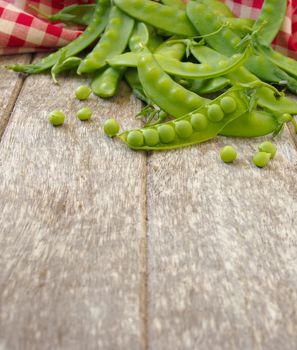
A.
x: 198, y: 126
x: 187, y: 70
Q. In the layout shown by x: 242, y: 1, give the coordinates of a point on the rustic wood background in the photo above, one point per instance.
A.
x: 106, y: 248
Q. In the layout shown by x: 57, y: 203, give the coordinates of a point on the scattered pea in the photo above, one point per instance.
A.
x: 215, y: 113
x: 83, y: 92
x: 111, y: 127
x: 183, y: 129
x: 199, y: 121
x: 56, y: 118
x: 228, y: 104
x: 261, y: 159
x: 151, y: 137
x: 268, y: 147
x: 135, y: 138
x: 84, y: 113
x: 228, y: 154
x: 166, y: 133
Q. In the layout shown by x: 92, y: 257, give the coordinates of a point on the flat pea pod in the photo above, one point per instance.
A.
x: 92, y: 32
x: 105, y: 84
x: 286, y: 63
x: 175, y: 50
x: 169, y: 19
x: 139, y: 37
x: 186, y: 135
x: 251, y: 124
x: 208, y: 86
x: 131, y: 76
x: 240, y: 26
x: 265, y: 96
x: 63, y: 65
x: 178, y: 4
x: 78, y: 14
x: 113, y: 41
x: 270, y: 19
x: 221, y: 8
x: 186, y: 70
x: 163, y: 90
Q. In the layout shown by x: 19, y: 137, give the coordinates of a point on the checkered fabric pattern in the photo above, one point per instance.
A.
x: 22, y: 30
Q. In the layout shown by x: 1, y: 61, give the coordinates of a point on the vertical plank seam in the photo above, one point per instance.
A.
x: 18, y: 88
x: 144, y: 265
x: 293, y: 135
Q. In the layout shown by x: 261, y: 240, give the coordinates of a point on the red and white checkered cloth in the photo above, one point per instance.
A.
x: 21, y: 30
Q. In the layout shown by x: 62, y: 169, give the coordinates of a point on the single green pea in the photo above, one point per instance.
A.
x: 162, y: 115
x: 111, y: 127
x: 199, y: 121
x: 228, y: 154
x: 228, y: 104
x: 183, y: 129
x: 56, y: 118
x: 215, y: 113
x: 268, y: 147
x: 135, y: 138
x: 261, y: 159
x: 83, y: 92
x: 84, y: 113
x: 166, y: 133
x: 151, y: 137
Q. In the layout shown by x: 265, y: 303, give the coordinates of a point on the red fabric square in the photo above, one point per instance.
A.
x: 14, y: 41
x: 24, y: 19
x: 54, y: 30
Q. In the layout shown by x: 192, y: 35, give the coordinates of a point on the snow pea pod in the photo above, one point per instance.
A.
x: 240, y: 26
x: 208, y: 86
x: 192, y: 128
x: 163, y: 90
x: 113, y: 41
x: 92, y: 32
x: 169, y: 19
x: 105, y: 84
x: 131, y: 77
x: 143, y: 35
x: 78, y: 14
x: 270, y: 19
x: 64, y: 65
x: 171, y: 49
x: 186, y: 70
x: 178, y: 4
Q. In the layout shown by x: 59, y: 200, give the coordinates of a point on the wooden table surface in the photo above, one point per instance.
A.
x: 106, y: 248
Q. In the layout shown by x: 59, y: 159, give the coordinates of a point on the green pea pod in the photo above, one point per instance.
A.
x: 251, y: 124
x: 131, y: 76
x: 286, y: 63
x: 105, y: 83
x: 163, y: 90
x: 193, y: 128
x: 169, y: 19
x: 78, y: 14
x: 139, y: 37
x: 178, y: 4
x: 240, y: 26
x: 265, y: 96
x: 92, y: 32
x: 208, y: 86
x: 113, y: 42
x: 270, y: 19
x: 64, y: 65
x: 220, y: 8
x: 186, y: 70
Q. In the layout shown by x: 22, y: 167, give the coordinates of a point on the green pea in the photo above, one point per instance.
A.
x: 261, y: 159
x: 84, y: 113
x: 228, y: 104
x: 199, y: 121
x: 151, y: 137
x: 228, y: 154
x: 56, y: 118
x: 215, y: 113
x: 135, y: 138
x: 268, y: 147
x: 183, y: 129
x: 111, y: 127
x: 162, y: 115
x: 83, y: 92
x: 166, y: 133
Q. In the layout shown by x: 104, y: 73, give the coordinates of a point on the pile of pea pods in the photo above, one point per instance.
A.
x: 200, y: 71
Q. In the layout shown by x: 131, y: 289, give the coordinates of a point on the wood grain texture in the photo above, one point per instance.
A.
x: 10, y: 85
x: 222, y: 249
x: 72, y: 225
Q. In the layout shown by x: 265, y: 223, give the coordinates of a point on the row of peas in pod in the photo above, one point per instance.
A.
x: 199, y: 70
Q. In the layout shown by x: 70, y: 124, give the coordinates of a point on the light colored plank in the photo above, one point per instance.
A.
x: 72, y: 225
x: 222, y: 249
x: 10, y: 86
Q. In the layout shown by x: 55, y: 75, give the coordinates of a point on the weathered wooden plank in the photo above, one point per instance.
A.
x: 10, y: 85
x: 72, y: 225
x: 222, y: 249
